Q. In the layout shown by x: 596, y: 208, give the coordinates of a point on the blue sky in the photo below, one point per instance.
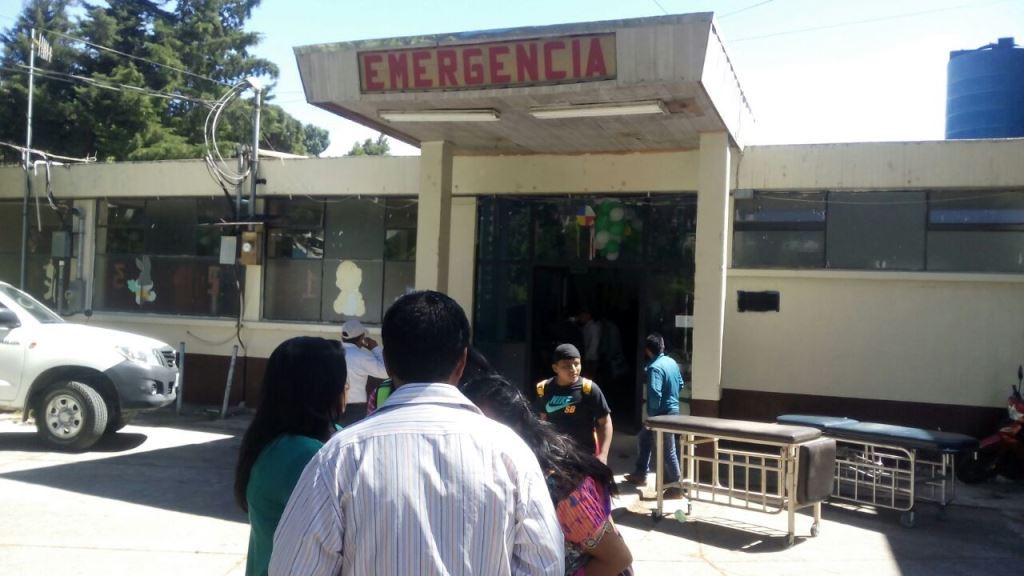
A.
x: 813, y: 70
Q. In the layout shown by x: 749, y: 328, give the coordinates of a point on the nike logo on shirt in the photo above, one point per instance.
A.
x: 557, y: 403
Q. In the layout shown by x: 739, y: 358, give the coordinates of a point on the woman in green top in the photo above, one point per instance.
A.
x: 303, y: 392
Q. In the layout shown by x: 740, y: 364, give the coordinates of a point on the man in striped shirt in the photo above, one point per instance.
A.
x: 426, y: 484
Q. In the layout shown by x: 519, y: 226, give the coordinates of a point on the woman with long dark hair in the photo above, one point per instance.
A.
x: 303, y: 391
x: 581, y: 486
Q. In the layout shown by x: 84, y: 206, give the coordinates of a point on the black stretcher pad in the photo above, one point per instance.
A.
x: 902, y: 436
x: 738, y: 429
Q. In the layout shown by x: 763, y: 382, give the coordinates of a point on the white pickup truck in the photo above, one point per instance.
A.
x: 79, y: 381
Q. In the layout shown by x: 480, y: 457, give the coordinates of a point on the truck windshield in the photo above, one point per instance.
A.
x: 31, y: 305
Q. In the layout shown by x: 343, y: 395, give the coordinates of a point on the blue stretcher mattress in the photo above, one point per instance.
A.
x: 819, y: 422
x: 902, y: 436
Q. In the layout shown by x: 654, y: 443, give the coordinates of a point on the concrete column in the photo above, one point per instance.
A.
x: 710, y: 274
x: 433, y: 233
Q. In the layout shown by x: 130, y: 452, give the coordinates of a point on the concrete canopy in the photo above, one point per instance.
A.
x: 676, y: 63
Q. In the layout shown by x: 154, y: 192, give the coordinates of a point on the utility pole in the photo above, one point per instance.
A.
x: 257, y: 102
x: 27, y: 162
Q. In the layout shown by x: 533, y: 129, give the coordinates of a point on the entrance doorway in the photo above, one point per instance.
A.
x: 540, y: 261
x: 611, y: 297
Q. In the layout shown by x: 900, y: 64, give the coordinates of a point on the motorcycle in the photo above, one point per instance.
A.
x: 1002, y: 452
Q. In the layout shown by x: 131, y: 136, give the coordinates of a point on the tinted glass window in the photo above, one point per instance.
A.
x: 876, y: 230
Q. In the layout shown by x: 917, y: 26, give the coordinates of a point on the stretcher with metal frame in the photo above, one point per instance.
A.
x: 756, y: 466
x: 889, y: 466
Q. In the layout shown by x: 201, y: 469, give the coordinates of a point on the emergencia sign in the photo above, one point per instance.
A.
x: 559, y: 60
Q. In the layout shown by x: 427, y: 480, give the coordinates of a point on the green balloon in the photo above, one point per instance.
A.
x: 616, y: 229
x: 604, y: 208
x: 602, y: 224
x: 611, y: 246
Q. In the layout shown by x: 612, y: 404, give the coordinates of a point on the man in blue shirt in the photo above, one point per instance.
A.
x: 663, y: 384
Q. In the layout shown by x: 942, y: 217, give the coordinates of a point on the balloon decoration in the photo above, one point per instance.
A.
x: 614, y: 227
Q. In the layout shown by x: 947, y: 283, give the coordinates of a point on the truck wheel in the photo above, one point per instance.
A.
x: 117, y: 420
x: 72, y: 416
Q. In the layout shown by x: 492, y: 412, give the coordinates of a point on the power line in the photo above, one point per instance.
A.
x: 139, y: 58
x: 662, y: 7
x: 114, y: 86
x: 751, y: 7
x: 47, y: 155
x: 866, y: 21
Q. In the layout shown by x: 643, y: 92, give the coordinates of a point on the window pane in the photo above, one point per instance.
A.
x: 355, y: 229
x: 503, y: 229
x: 123, y: 212
x: 295, y: 212
x: 401, y: 212
x: 501, y: 313
x: 774, y: 249
x: 212, y: 211
x: 171, y: 227
x: 672, y: 230
x: 399, y: 278
x: 976, y: 251
x: 121, y: 241
x: 10, y: 268
x: 291, y: 289
x: 973, y: 208
x: 400, y: 244
x: 555, y: 230
x: 782, y: 207
x: 295, y: 243
x: 352, y: 289
x: 876, y: 230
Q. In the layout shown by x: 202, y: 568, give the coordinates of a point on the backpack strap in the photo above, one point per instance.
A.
x: 588, y: 385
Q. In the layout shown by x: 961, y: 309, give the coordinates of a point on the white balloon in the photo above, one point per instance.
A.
x: 601, y: 238
x: 617, y: 214
x: 612, y: 256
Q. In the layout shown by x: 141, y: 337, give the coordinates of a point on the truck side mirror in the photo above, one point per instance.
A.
x: 8, y: 319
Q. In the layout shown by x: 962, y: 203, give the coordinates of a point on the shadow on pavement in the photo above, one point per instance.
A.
x: 191, y: 479
x: 30, y: 442
x: 717, y: 531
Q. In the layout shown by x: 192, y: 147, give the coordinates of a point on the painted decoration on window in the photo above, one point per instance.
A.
x: 142, y: 286
x: 348, y: 277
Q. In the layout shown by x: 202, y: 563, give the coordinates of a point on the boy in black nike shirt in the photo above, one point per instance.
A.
x: 575, y: 405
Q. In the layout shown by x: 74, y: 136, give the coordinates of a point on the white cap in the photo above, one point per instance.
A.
x: 352, y: 329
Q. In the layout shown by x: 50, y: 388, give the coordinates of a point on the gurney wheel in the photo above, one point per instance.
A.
x: 907, y: 519
x: 790, y: 540
x: 655, y: 515
x: 815, y: 530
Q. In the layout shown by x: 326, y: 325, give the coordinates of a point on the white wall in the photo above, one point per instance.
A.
x: 937, y: 338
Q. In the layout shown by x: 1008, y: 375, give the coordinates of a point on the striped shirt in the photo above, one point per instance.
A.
x: 425, y: 485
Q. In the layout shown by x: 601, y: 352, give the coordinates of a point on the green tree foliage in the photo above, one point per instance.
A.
x: 379, y: 147
x: 316, y: 139
x: 56, y: 112
x: 200, y: 49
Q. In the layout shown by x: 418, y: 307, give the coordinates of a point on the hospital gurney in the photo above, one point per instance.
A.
x: 890, y: 466
x: 751, y: 465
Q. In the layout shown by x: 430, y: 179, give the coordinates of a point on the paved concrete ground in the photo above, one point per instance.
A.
x: 156, y: 499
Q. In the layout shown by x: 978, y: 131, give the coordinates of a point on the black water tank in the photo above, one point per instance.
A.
x: 985, y: 92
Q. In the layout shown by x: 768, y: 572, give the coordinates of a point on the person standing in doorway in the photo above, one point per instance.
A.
x: 591, y: 330
x: 574, y: 404
x: 428, y: 484
x: 664, y: 381
x: 364, y: 358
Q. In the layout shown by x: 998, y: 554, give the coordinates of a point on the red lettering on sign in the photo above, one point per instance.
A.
x: 419, y: 69
x: 371, y: 61
x: 398, y: 69
x: 595, y: 59
x: 497, y: 76
x: 472, y: 67
x: 446, y: 66
x: 575, y: 57
x: 549, y: 49
x: 526, y: 62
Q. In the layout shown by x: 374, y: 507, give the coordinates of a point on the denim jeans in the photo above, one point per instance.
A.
x: 646, y: 446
